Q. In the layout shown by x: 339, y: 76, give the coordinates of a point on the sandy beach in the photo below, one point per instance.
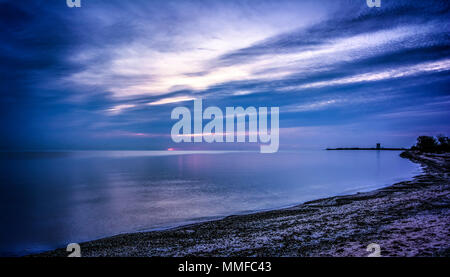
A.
x: 409, y: 218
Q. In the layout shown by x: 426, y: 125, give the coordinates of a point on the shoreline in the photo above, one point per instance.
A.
x: 371, y: 149
x: 409, y: 218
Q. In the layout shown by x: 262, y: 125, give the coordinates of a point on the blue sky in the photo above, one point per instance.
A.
x: 108, y: 74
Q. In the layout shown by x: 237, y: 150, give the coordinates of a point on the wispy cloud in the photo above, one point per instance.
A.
x: 171, y: 100
x: 119, y: 108
x: 119, y: 65
x: 443, y: 65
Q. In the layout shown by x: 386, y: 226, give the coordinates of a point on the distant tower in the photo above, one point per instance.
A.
x: 378, y: 145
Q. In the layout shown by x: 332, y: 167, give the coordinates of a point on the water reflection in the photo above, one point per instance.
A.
x: 49, y: 199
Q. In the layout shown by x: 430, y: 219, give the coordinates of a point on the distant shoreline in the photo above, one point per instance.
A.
x: 357, y: 148
x: 409, y: 218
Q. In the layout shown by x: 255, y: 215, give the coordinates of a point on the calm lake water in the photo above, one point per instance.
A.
x: 53, y: 198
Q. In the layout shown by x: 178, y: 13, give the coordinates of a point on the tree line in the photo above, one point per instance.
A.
x: 438, y: 144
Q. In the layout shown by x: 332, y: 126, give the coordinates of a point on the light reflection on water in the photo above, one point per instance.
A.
x: 49, y: 199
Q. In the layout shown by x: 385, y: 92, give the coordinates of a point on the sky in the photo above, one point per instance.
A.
x: 107, y: 75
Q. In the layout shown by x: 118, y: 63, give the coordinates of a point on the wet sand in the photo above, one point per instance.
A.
x: 409, y: 218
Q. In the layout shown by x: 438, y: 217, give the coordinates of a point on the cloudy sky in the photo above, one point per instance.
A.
x: 108, y: 74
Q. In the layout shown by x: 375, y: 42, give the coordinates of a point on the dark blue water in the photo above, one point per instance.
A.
x: 53, y: 198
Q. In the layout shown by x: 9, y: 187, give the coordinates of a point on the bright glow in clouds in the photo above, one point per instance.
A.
x: 119, y: 108
x: 195, y: 45
x: 171, y: 100
x: 147, y: 71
